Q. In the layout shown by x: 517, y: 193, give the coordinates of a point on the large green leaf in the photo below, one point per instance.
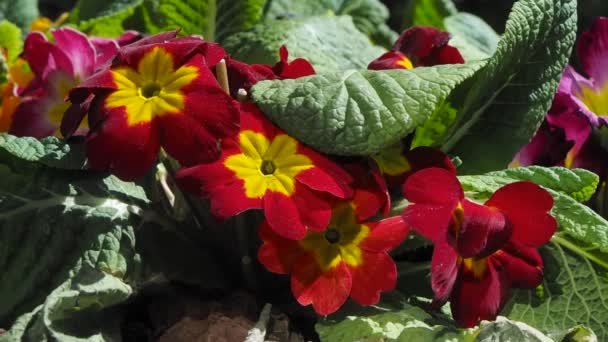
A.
x: 369, y: 16
x: 20, y: 12
x: 358, y: 112
x: 473, y: 37
x: 104, y: 18
x: 10, y: 39
x: 512, y: 93
x: 428, y: 13
x: 330, y: 43
x: 49, y: 151
x: 235, y: 16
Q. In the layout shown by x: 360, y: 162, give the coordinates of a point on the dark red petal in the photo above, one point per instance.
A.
x: 299, y: 67
x: 283, y: 216
x: 326, y: 291
x: 592, y: 157
x: 433, y: 186
x: 325, y: 176
x: 444, y: 55
x: 424, y: 46
x: 548, y: 147
x: 522, y: 265
x: 444, y: 271
x: 242, y: 75
x: 99, y: 82
x: 277, y: 254
x: 126, y: 151
x: 385, y: 235
x: 315, y: 208
x: 252, y: 119
x: 388, y: 60
x: 30, y: 119
x: 473, y: 300
x: 483, y: 230
x: 371, y: 193
x: 424, y: 157
x: 376, y: 274
x: 592, y: 51
x: 526, y: 206
x: 430, y: 220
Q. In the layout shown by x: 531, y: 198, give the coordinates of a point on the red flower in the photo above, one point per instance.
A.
x: 159, y: 92
x: 397, y: 163
x: 480, y: 250
x: 416, y: 47
x: 242, y: 75
x: 267, y: 169
x: 346, y: 258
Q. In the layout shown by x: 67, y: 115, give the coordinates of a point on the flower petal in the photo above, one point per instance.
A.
x: 433, y: 186
x: 592, y: 50
x: 385, y: 234
x: 277, y: 254
x: 474, y: 299
x: 526, y: 206
x: 30, y: 119
x: 315, y: 208
x: 77, y: 48
x: 283, y: 216
x: 444, y: 271
x: 522, y: 265
x: 243, y: 75
x: 427, y: 46
x: 325, y: 176
x: 326, y: 291
x: 371, y: 193
x: 376, y: 274
x: 391, y: 60
x: 430, y: 220
x: 482, y: 231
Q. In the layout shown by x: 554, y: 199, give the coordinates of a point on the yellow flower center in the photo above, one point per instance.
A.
x: 595, y: 100
x: 477, y: 266
x: 391, y: 160
x: 267, y: 165
x: 154, y: 89
x: 339, y: 242
x: 405, y: 62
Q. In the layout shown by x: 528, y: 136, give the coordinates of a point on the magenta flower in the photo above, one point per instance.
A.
x: 58, y: 66
x: 569, y: 135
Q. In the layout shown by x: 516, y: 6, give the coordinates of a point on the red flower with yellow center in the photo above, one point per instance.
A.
x: 347, y: 258
x: 416, y: 47
x: 159, y: 92
x: 267, y: 169
x: 481, y: 251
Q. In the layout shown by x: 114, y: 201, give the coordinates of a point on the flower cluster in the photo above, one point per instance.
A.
x: 325, y: 219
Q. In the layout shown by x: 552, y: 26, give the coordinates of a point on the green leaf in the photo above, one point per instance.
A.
x: 191, y: 16
x: 358, y: 112
x: 236, y: 16
x: 49, y: 151
x: 104, y: 18
x: 428, y: 13
x: 512, y: 93
x: 77, y: 310
x: 431, y: 132
x: 20, y: 12
x: 369, y: 16
x: 473, y: 37
x: 331, y: 44
x: 10, y: 39
x: 574, y: 291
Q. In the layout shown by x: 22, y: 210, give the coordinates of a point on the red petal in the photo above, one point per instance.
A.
x: 388, y: 60
x: 30, y: 119
x: 444, y: 271
x: 315, y: 208
x: 277, y: 254
x: 385, y: 235
x: 430, y: 220
x: 325, y: 176
x: 376, y: 274
x: 482, y: 231
x: 425, y: 157
x: 371, y: 194
x: 473, y: 299
x: 252, y: 119
x: 526, y: 206
x: 433, y: 186
x: 425, y: 45
x: 326, y: 291
x: 299, y: 67
x: 283, y: 216
x: 242, y: 75
x: 126, y: 151
x: 522, y: 265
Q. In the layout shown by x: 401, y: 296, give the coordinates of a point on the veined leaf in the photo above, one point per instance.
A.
x: 473, y: 37
x: 104, y: 18
x: 331, y: 44
x: 512, y: 93
x: 428, y: 13
x: 358, y: 112
x: 49, y: 151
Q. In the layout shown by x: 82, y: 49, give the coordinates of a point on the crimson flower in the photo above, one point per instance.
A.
x: 418, y: 46
x: 158, y: 92
x: 396, y: 163
x: 480, y: 251
x: 267, y: 169
x: 346, y: 258
x: 242, y: 75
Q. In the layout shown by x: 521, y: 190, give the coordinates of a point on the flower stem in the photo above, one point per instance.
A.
x: 221, y: 73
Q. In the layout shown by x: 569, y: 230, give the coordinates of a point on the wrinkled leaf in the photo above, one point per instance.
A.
x: 49, y: 151
x: 473, y: 37
x: 512, y: 93
x: 104, y: 18
x: 357, y: 112
x: 331, y: 44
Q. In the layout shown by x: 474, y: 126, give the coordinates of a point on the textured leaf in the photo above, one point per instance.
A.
x: 20, y: 12
x: 191, y: 16
x: 513, y: 92
x: 428, y: 13
x: 431, y: 132
x: 10, y: 39
x: 50, y: 151
x: 237, y: 15
x: 473, y: 37
x: 354, y: 112
x: 369, y: 16
x: 330, y: 43
x: 104, y: 18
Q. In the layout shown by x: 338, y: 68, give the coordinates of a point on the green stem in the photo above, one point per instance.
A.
x: 578, y: 250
